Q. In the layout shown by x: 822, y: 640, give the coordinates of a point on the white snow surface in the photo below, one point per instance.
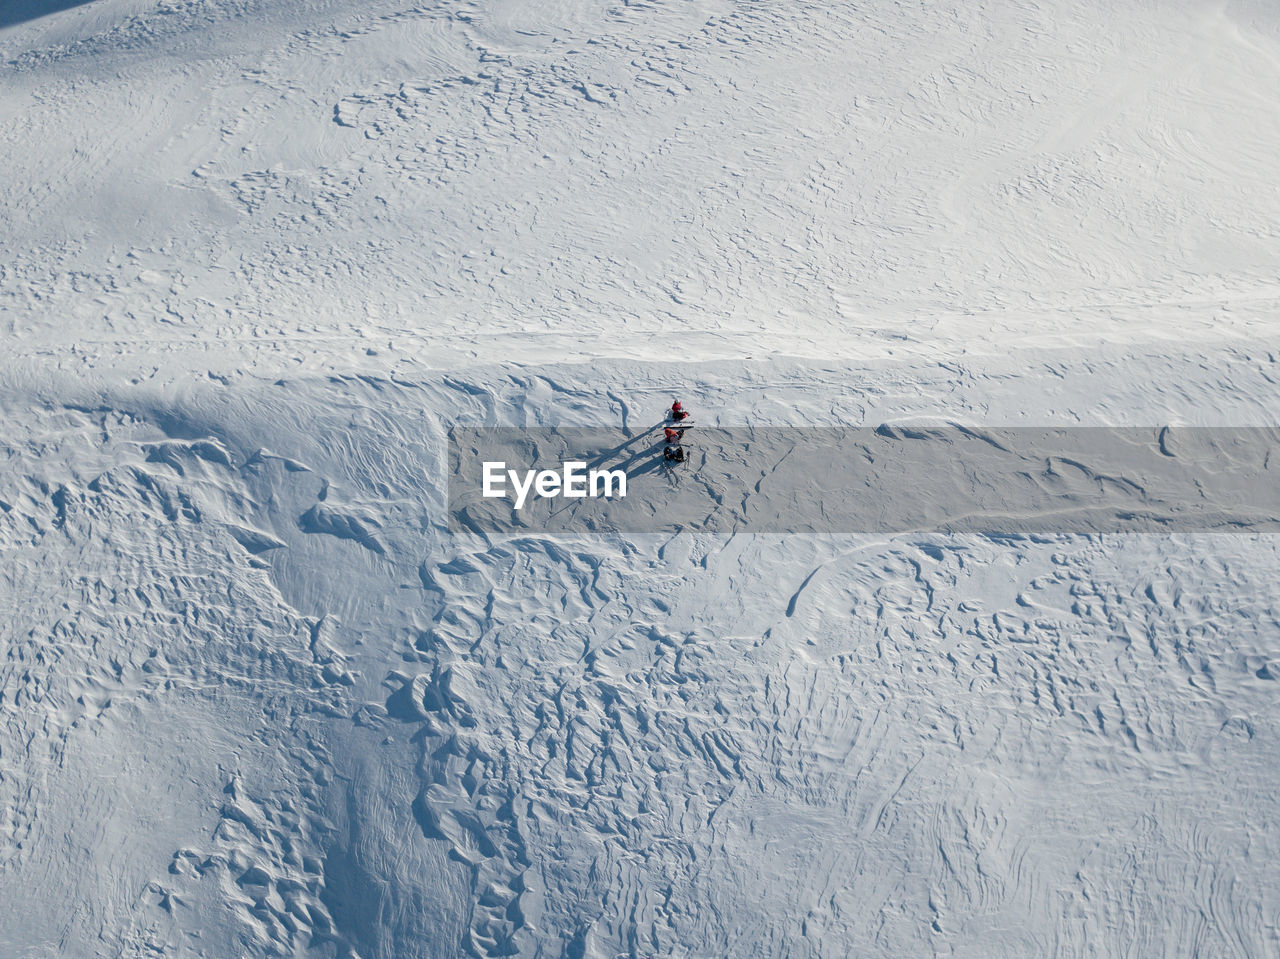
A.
x: 551, y: 181
x: 256, y: 698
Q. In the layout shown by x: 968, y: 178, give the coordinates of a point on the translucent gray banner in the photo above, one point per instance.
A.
x: 888, y: 479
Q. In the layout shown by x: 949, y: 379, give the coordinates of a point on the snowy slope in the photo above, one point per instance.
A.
x: 459, y: 180
x: 256, y: 699
x: 280, y: 709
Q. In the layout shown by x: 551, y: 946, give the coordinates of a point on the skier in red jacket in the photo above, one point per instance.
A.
x: 674, y: 433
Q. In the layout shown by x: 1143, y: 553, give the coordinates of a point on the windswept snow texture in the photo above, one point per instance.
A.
x: 258, y: 700
x: 454, y: 179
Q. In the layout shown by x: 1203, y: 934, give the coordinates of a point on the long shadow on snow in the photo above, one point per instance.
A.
x: 15, y: 12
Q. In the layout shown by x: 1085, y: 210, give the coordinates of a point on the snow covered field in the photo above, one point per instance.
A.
x: 257, y: 698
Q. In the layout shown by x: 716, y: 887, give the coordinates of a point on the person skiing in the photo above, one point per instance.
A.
x: 674, y: 434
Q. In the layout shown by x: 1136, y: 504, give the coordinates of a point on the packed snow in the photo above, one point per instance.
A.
x: 262, y: 696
